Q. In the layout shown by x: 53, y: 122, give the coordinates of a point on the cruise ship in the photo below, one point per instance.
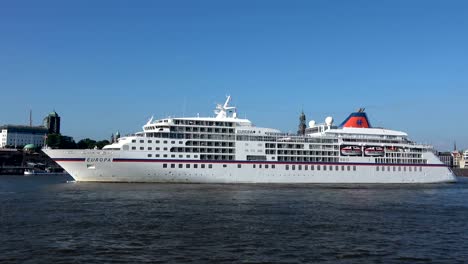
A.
x: 229, y: 149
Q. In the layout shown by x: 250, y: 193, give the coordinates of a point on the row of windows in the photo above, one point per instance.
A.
x: 297, y: 167
x: 202, y: 130
x: 187, y: 166
x: 202, y: 123
x: 307, y: 159
x: 210, y: 166
x: 172, y: 156
x: 401, y: 161
x: 149, y: 148
x: 363, y: 140
x: 293, y: 167
x: 191, y: 136
x: 203, y: 150
x: 403, y: 155
x: 321, y: 167
x: 217, y: 157
x: 150, y: 141
x: 210, y: 143
x: 394, y: 168
x: 312, y: 153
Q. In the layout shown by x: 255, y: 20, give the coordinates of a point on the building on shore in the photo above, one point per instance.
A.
x: 446, y: 158
x: 457, y: 157
x: 464, y: 160
x: 16, y: 136
x: 52, y: 123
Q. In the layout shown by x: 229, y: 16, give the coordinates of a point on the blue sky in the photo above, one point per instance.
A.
x: 109, y: 65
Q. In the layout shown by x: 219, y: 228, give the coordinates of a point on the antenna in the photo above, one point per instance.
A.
x: 30, y: 117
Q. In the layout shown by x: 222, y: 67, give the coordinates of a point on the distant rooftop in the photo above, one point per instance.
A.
x: 53, y: 113
x: 24, y: 129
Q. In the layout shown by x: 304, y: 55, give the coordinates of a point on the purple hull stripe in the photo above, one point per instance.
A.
x: 255, y: 162
x: 275, y: 162
x: 69, y: 159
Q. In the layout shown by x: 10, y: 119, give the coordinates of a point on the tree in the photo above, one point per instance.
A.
x: 53, y: 140
x: 102, y: 143
x: 58, y: 141
x: 86, y: 144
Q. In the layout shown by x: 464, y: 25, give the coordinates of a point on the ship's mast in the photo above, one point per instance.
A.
x: 222, y: 111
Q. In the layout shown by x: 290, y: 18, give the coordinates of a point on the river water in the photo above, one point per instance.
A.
x: 45, y: 219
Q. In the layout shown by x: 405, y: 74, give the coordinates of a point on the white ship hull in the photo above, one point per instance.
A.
x: 124, y: 166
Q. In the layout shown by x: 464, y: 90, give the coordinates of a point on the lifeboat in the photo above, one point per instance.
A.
x: 374, y: 151
x: 392, y: 149
x: 351, y: 151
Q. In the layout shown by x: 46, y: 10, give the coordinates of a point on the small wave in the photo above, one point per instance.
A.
x: 7, y: 193
x: 408, y: 258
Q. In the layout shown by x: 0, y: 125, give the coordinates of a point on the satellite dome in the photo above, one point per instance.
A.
x: 311, y: 123
x: 329, y: 121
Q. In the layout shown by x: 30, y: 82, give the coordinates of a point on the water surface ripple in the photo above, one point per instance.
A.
x: 46, y: 220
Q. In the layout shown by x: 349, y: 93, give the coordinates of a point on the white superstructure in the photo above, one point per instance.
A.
x: 228, y: 149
